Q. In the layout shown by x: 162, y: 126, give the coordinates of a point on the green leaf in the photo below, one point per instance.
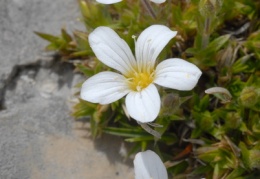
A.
x: 81, y: 53
x: 140, y: 139
x: 204, y: 103
x: 240, y: 65
x: 202, y: 169
x: 237, y: 172
x: 216, y: 44
x: 65, y: 35
x: 245, y: 155
x: 83, y: 109
x: 52, y: 47
x: 85, y: 70
x: 48, y: 37
x: 125, y: 132
x: 179, y: 167
x: 82, y: 41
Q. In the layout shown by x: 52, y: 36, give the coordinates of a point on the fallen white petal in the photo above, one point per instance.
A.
x: 215, y: 90
x: 111, y: 49
x: 222, y: 93
x: 177, y: 74
x: 104, y: 88
x: 158, y: 1
x: 108, y: 1
x: 151, y: 42
x: 144, y: 106
x: 148, y: 165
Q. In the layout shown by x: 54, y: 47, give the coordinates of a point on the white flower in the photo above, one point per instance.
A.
x: 116, y: 1
x: 148, y: 165
x: 138, y: 75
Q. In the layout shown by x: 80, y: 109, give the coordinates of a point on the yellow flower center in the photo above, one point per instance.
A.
x: 140, y: 80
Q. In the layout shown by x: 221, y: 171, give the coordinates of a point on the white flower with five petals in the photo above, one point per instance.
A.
x: 116, y: 1
x: 139, y: 74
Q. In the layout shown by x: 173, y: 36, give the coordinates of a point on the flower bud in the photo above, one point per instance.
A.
x: 254, y: 159
x: 249, y: 96
x: 206, y: 122
x: 170, y: 103
x: 207, y: 8
x: 84, y: 8
x: 233, y: 120
x: 170, y: 100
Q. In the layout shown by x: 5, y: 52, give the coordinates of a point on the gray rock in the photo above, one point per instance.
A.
x: 38, y: 137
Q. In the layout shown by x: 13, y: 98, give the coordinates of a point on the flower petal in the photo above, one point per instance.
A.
x: 144, y: 106
x: 104, y: 88
x: 177, y: 74
x: 111, y: 49
x: 108, y: 1
x: 158, y: 1
x: 149, y: 165
x: 150, y: 43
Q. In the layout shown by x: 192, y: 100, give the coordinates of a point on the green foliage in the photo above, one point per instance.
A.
x: 213, y: 135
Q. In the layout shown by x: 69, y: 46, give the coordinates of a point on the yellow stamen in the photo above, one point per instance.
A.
x: 140, y: 80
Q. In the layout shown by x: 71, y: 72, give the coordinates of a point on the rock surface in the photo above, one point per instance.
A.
x: 38, y: 137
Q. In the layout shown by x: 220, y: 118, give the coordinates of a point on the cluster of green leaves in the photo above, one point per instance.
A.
x: 213, y: 135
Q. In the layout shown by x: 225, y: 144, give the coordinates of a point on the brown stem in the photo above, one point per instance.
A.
x: 206, y: 33
x: 149, y: 8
